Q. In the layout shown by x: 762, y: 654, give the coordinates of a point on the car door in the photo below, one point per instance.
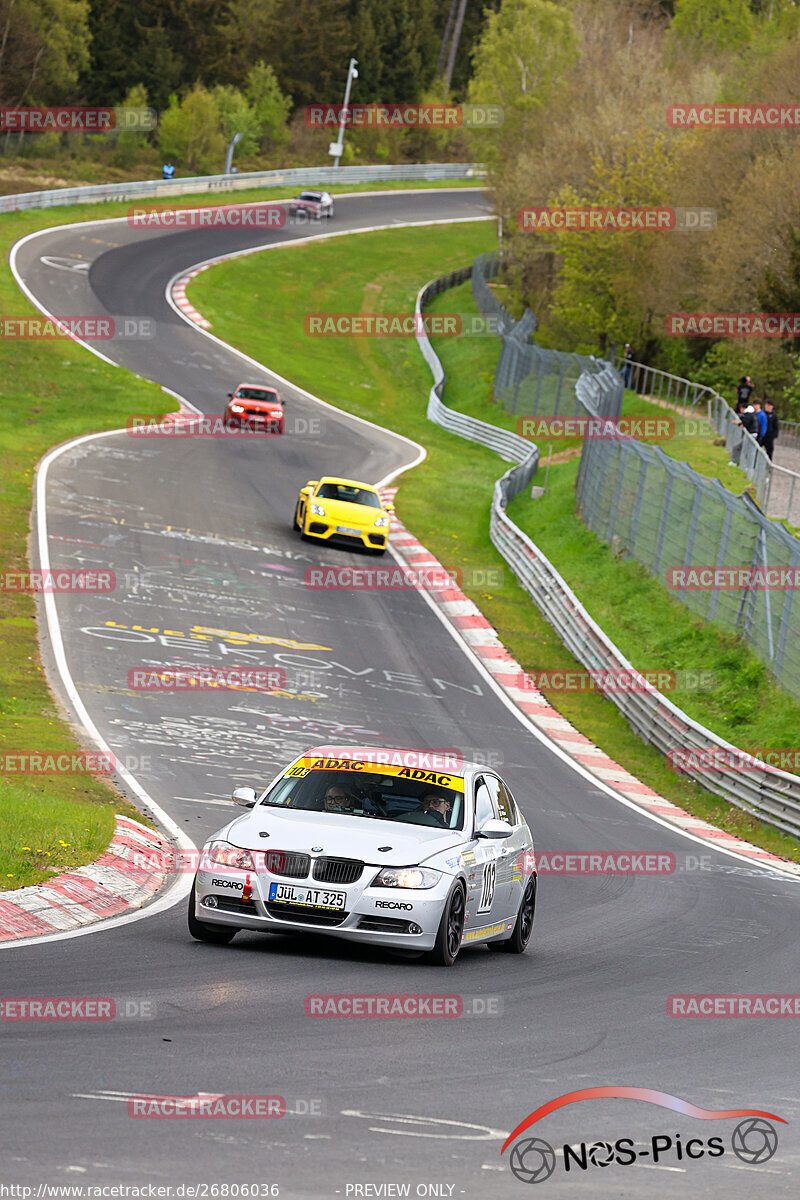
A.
x: 486, y: 906
x: 513, y: 863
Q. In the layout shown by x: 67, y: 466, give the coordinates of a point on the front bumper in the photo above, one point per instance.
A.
x: 380, y: 916
x: 324, y: 531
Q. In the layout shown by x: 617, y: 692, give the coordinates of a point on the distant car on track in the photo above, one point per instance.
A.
x: 343, y: 510
x: 352, y: 842
x: 255, y: 405
x: 312, y: 204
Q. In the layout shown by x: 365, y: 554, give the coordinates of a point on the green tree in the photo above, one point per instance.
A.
x: 189, y: 133
x: 700, y: 27
x: 525, y: 49
x: 236, y: 115
x: 270, y: 106
x: 44, y: 45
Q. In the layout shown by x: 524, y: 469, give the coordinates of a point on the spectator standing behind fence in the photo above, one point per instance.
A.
x: 746, y: 419
x: 630, y: 358
x: 773, y: 427
x: 167, y: 171
x: 744, y: 390
x: 761, y: 417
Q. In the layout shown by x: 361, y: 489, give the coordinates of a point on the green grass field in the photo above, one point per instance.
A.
x: 387, y: 381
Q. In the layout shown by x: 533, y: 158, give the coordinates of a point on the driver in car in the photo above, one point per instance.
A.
x: 436, y: 806
x: 338, y: 800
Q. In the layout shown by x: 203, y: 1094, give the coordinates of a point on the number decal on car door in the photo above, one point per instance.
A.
x: 487, y: 889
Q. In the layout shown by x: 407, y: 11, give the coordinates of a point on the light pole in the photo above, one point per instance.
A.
x: 237, y: 137
x: 335, y: 148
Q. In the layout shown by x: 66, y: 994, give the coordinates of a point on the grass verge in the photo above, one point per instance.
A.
x: 386, y: 380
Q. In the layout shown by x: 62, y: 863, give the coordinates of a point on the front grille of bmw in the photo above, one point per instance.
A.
x: 338, y: 870
x: 294, y: 866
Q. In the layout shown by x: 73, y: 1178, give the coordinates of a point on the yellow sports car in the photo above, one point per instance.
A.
x: 342, y: 510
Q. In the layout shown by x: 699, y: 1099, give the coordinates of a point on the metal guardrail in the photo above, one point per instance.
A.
x: 299, y: 176
x: 742, y: 447
x: 766, y: 792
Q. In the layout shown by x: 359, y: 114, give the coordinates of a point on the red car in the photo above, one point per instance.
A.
x: 254, y: 405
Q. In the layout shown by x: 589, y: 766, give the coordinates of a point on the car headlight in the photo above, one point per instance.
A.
x: 381, y: 522
x: 226, y: 855
x: 317, y: 509
x: 407, y: 877
x: 237, y: 408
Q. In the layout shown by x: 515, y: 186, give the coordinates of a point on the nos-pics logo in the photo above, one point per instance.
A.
x: 754, y: 1140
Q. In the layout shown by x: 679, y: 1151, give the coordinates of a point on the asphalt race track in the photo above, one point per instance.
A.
x: 199, y: 535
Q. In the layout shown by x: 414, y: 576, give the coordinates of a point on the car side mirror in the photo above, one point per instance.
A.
x: 495, y: 829
x: 230, y: 395
x: 245, y: 797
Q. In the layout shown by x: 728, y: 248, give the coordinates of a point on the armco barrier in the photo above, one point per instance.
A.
x: 158, y: 189
x: 766, y: 792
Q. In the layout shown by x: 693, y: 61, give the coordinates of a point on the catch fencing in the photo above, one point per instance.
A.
x: 531, y: 380
x: 765, y: 791
x: 300, y: 177
x: 777, y: 487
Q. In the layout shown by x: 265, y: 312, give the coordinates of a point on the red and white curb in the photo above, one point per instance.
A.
x: 472, y: 626
x: 120, y: 880
x: 179, y: 296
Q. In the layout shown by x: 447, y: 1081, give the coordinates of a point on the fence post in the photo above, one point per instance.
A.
x: 662, y: 524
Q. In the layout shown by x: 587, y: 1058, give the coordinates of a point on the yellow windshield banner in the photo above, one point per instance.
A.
x: 360, y: 767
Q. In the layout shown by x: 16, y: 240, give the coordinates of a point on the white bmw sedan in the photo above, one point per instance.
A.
x: 373, y: 845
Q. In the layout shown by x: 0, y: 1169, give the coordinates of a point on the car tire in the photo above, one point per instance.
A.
x: 523, y: 928
x: 217, y: 935
x: 296, y: 522
x: 451, y: 928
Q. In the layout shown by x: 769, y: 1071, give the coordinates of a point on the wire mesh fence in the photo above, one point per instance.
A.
x: 717, y: 552
x: 531, y: 380
x: 764, y: 790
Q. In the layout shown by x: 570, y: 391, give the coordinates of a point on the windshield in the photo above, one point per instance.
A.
x: 349, y: 492
x: 251, y: 393
x: 310, y: 196
x: 363, y: 791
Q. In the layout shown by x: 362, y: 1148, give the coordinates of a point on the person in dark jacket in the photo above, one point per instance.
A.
x: 744, y: 390
x: 773, y: 427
